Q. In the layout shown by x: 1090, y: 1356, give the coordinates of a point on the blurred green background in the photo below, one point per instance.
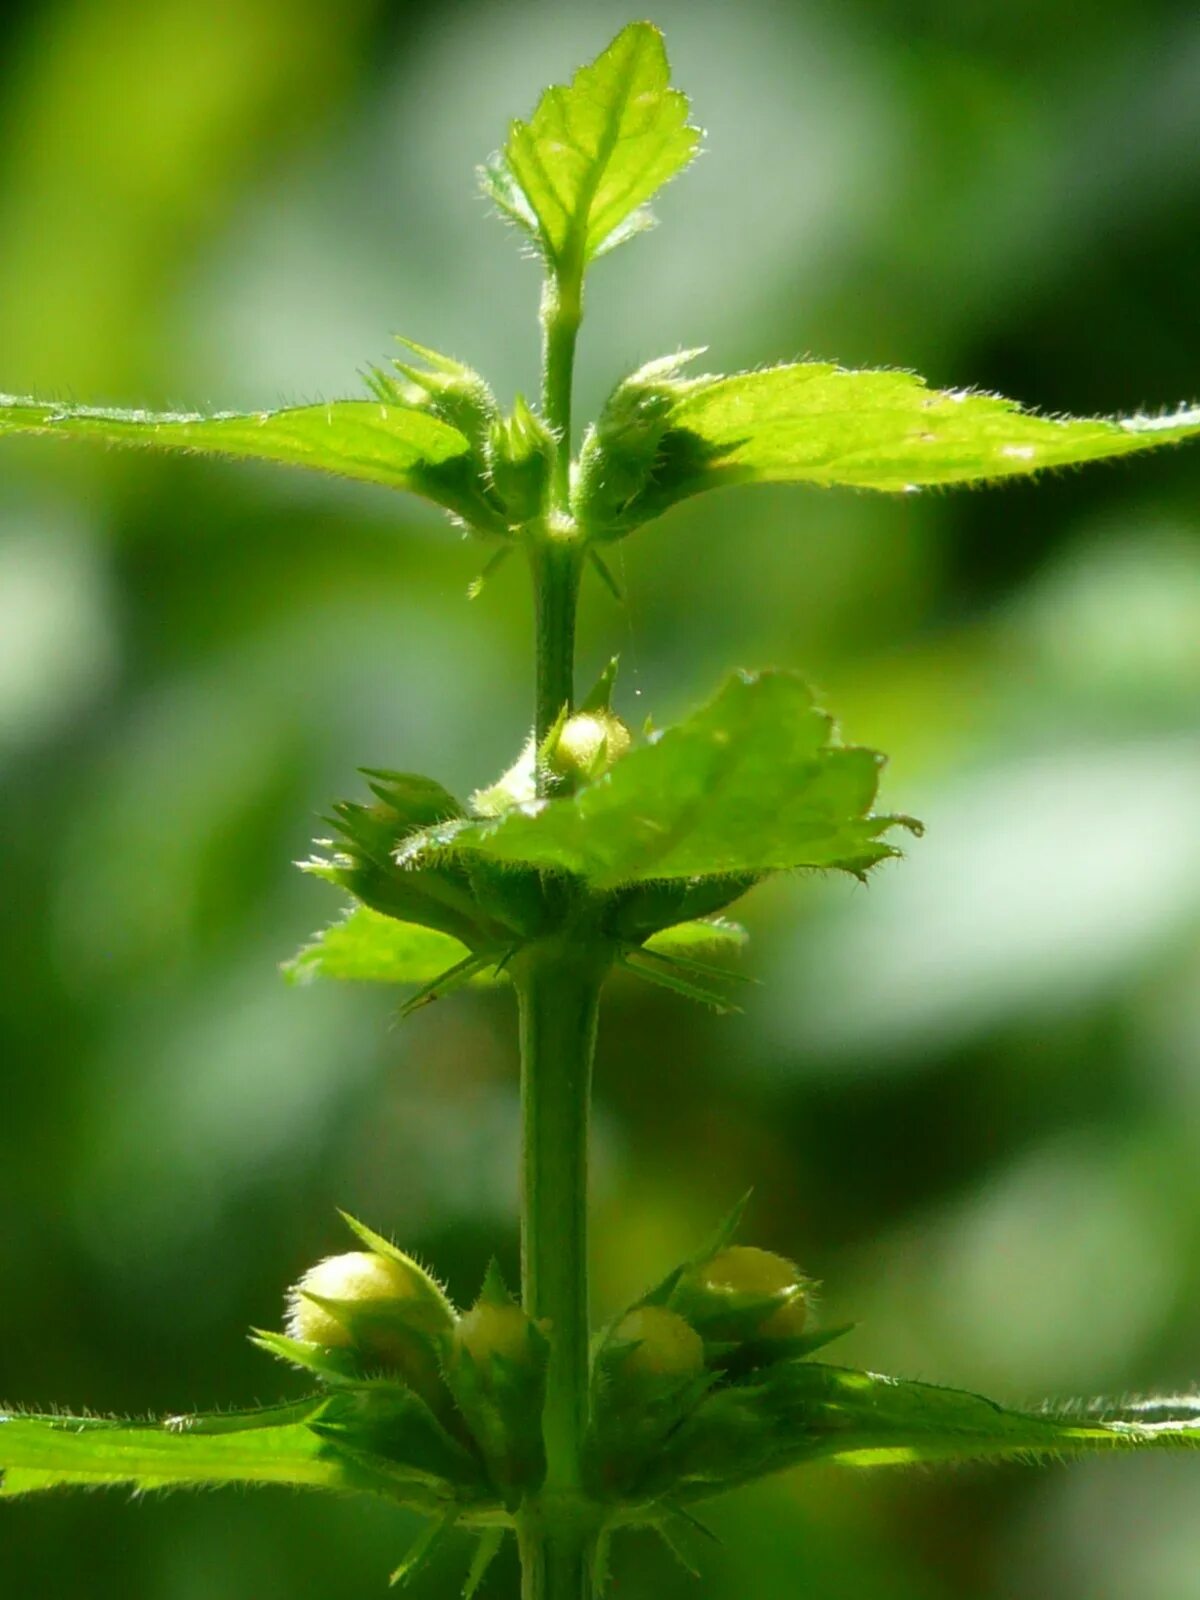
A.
x: 968, y: 1096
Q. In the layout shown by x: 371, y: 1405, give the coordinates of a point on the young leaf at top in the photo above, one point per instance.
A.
x: 373, y: 441
x: 749, y: 784
x: 663, y: 437
x: 577, y: 175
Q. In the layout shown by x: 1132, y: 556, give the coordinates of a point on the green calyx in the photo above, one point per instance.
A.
x: 626, y: 461
x: 520, y: 451
x: 742, y: 1293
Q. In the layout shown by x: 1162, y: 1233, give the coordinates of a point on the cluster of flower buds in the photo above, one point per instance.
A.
x: 452, y: 1402
x: 686, y: 1384
x: 699, y: 1386
x: 505, y: 471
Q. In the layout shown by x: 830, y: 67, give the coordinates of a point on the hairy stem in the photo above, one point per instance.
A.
x: 558, y: 989
x: 561, y: 313
x: 555, y: 1568
x: 557, y: 565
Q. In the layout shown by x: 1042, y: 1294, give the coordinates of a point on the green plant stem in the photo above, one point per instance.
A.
x: 561, y: 314
x: 557, y: 565
x: 558, y: 990
x: 555, y: 1568
x: 558, y: 986
x: 556, y: 557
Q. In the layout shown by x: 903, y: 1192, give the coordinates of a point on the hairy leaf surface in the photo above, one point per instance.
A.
x: 367, y: 947
x: 401, y: 447
x: 750, y: 784
x: 273, y: 1445
x: 577, y: 175
x: 864, y: 1420
x: 821, y: 424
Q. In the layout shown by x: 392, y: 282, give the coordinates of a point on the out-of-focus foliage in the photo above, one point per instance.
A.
x: 968, y: 1096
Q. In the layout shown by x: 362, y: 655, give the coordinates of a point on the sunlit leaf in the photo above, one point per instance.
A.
x: 273, y: 1445
x: 366, y: 947
x: 577, y: 175
x: 803, y: 1411
x: 820, y: 424
x: 864, y: 1420
x: 716, y: 935
x: 750, y: 784
x: 401, y: 447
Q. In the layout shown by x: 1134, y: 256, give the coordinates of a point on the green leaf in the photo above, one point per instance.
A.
x: 679, y: 980
x: 422, y: 1550
x: 750, y: 784
x: 577, y: 175
x: 863, y: 1420
x: 717, y: 934
x: 364, y: 946
x: 273, y: 1445
x: 802, y: 1411
x: 401, y: 447
x: 486, y: 1551
x: 820, y: 424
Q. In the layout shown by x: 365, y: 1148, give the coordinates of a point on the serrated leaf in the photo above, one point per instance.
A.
x: 577, y: 175
x: 272, y: 1445
x: 749, y: 784
x: 401, y: 447
x: 364, y: 946
x: 821, y: 424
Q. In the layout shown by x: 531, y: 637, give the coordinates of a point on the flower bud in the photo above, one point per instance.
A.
x: 489, y: 1330
x: 520, y: 448
x: 744, y: 1293
x: 384, y: 1311
x: 649, y: 1373
x: 622, y: 454
x: 663, y: 1345
x: 455, y: 393
x: 588, y: 745
x: 497, y: 1373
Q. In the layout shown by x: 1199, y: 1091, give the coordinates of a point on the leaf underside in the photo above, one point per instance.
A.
x: 259, y: 1447
x: 821, y: 424
x: 861, y: 1419
x: 397, y: 446
x: 749, y: 784
x: 365, y: 946
x: 577, y: 175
